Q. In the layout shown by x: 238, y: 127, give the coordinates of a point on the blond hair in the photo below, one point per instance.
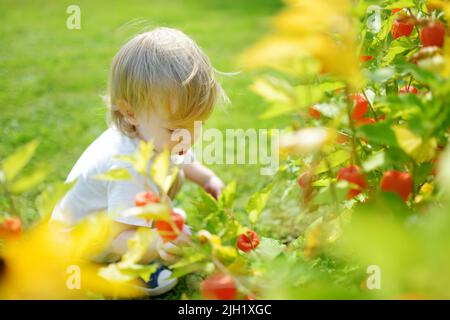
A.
x: 163, y: 70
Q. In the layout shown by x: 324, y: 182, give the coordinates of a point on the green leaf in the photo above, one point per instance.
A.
x: 188, y: 259
x: 325, y: 196
x: 385, y: 30
x: 182, y: 271
x: 28, y: 182
x: 276, y: 110
x: 206, y: 204
x: 322, y: 182
x: 379, y: 133
x: 118, y: 174
x: 400, y: 4
x: 331, y: 86
x: 419, y: 74
x: 13, y: 164
x: 334, y: 160
x: 308, y: 95
x: 227, y: 196
x: 393, y: 51
x: 422, y: 173
x: 394, y: 202
x: 257, y: 203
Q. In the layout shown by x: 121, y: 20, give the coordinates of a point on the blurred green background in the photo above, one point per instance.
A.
x: 53, y: 79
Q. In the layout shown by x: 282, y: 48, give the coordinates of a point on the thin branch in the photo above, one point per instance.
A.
x: 370, y: 106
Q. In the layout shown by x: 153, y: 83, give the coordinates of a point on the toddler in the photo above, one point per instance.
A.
x: 160, y: 82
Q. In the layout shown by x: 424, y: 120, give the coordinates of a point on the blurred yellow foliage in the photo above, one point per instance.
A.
x: 325, y: 30
x: 421, y: 150
x: 305, y: 140
x: 46, y: 262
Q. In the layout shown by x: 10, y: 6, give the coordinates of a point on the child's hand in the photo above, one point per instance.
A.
x: 204, y: 177
x: 214, y: 186
x: 170, y: 251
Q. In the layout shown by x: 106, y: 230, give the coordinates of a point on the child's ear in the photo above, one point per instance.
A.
x: 127, y: 111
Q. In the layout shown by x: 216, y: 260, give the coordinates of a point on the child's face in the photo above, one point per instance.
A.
x: 178, y: 139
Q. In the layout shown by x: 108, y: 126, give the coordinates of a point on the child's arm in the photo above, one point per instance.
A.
x: 204, y: 177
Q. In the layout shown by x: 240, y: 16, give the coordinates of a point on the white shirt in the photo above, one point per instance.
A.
x: 90, y: 195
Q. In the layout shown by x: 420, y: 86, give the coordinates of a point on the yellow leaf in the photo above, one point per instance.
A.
x: 91, y: 236
x: 304, y: 141
x: 19, y: 159
x: 446, y: 69
x: 320, y: 16
x: 275, y: 49
x: 276, y: 110
x: 143, y: 156
x: 158, y: 211
x: 419, y: 149
x: 273, y: 90
x: 333, y: 160
x: 444, y: 5
x: 41, y: 264
x: 137, y: 246
x: 170, y: 179
x: 325, y: 30
x: 424, y: 193
x: 225, y: 254
x: 160, y: 168
x: 29, y: 181
x: 444, y: 171
x: 115, y: 175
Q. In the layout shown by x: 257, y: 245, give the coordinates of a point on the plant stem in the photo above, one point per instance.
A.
x: 352, y: 127
x: 370, y: 106
x: 409, y: 84
x: 332, y: 184
x: 415, y: 25
x: 10, y: 199
x: 221, y: 267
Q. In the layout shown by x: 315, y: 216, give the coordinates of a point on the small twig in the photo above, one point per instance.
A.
x: 370, y: 106
x: 409, y: 84
x: 10, y: 199
x: 415, y: 25
x: 332, y: 185
x: 352, y: 128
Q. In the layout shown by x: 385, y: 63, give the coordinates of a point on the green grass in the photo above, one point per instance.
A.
x: 52, y: 78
